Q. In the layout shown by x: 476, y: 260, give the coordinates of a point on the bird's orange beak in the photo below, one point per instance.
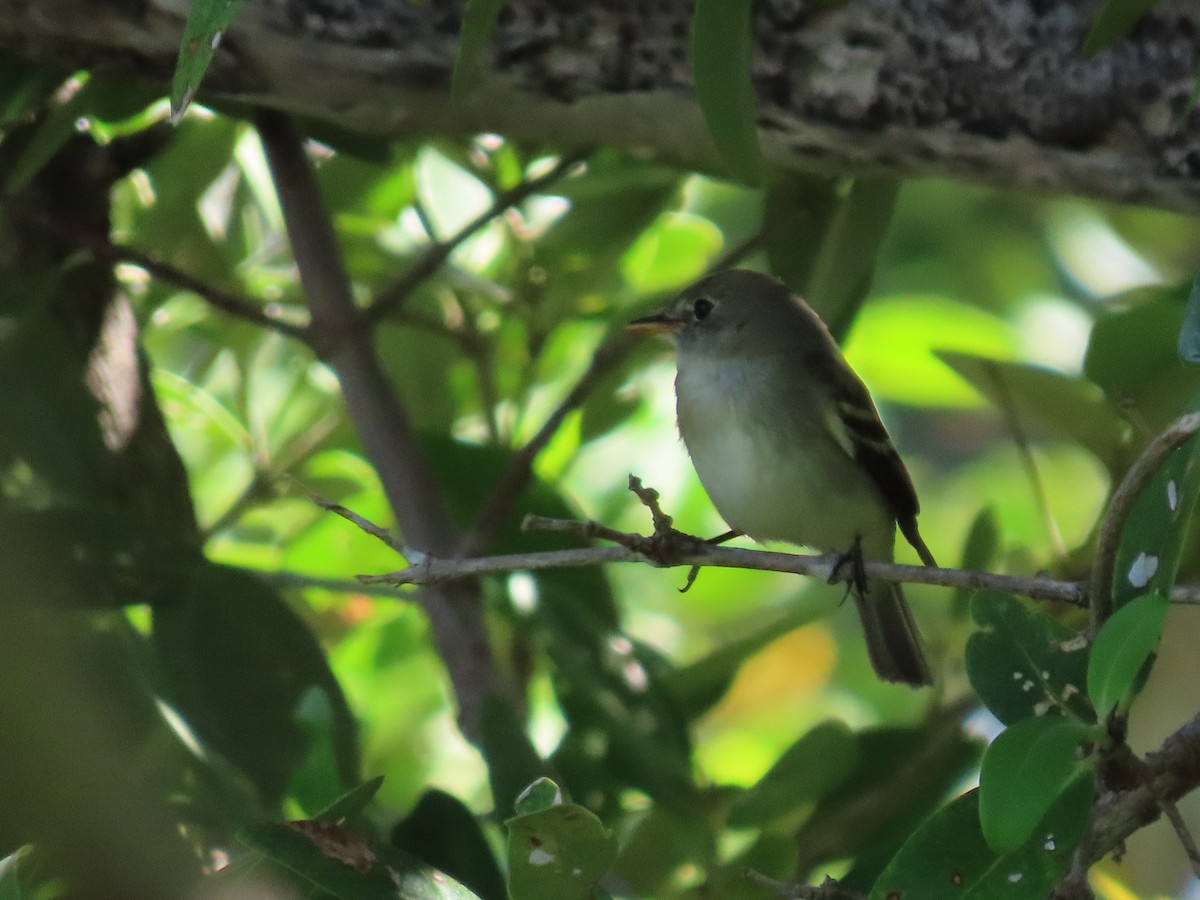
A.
x: 659, y: 323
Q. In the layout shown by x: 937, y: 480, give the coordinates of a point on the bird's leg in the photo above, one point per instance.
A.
x: 695, y: 570
x: 851, y: 569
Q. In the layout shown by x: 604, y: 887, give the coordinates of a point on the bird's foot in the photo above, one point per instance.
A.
x: 850, y: 569
x: 695, y: 570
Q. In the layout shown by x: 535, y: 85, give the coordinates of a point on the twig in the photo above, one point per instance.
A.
x: 440, y: 251
x: 1119, y: 508
x: 516, y: 474
x: 376, y: 531
x: 227, y: 302
x: 296, y: 580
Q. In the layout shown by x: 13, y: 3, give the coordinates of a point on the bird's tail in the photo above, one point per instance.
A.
x: 893, y: 643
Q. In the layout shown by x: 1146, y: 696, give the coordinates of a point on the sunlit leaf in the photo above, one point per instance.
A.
x: 1024, y: 771
x: 1121, y: 649
x: 206, y: 24
x: 722, y: 44
x: 893, y: 342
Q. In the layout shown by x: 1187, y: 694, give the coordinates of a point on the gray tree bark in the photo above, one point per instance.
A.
x: 994, y: 91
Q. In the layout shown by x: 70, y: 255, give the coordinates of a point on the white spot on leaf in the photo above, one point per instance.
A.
x: 1142, y: 570
x: 1014, y: 877
x: 1172, y: 495
x: 539, y: 857
x: 1050, y: 844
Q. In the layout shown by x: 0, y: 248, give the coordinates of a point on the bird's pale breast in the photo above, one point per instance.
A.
x: 765, y: 455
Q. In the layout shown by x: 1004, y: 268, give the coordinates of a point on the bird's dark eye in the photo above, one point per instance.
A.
x: 701, y: 308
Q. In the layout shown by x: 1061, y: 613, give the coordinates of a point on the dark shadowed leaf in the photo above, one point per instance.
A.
x: 326, y: 857
x: 722, y: 46
x: 479, y: 18
x: 238, y: 663
x: 817, y: 763
x: 822, y: 236
x: 353, y: 802
x: 1152, y: 382
x: 444, y: 834
x: 1057, y: 404
x: 1024, y: 663
x: 947, y: 858
x: 902, y: 775
x: 513, y: 763
x: 1113, y: 22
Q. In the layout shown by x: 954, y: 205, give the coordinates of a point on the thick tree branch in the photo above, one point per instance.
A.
x: 993, y: 91
x: 388, y: 437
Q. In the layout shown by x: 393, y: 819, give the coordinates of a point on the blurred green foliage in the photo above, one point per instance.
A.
x: 163, y: 569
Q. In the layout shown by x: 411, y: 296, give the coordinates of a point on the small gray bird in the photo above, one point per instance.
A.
x: 789, y: 445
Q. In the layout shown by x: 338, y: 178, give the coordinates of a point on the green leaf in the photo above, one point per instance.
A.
x: 348, y: 866
x: 947, y: 857
x: 1024, y: 771
x: 558, y: 853
x: 1155, y: 535
x: 1113, y: 22
x: 1153, y: 382
x: 722, y: 44
x: 818, y: 762
x: 1122, y: 648
x: 979, y: 553
x: 901, y: 776
x: 443, y: 833
x: 206, y: 23
x: 1063, y: 406
x: 479, y: 19
x: 353, y: 802
x: 1023, y: 663
x: 1189, y: 331
x: 239, y: 662
x: 822, y: 236
x: 513, y: 762
x: 539, y: 796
